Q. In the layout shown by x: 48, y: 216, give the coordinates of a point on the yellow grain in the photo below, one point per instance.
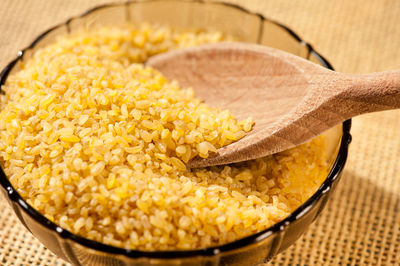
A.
x: 98, y: 143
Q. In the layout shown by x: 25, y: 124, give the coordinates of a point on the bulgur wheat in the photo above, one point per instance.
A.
x: 98, y: 143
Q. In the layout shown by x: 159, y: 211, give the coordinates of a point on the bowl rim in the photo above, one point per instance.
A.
x: 279, y: 227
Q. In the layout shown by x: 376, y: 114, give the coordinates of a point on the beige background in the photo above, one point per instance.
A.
x: 361, y: 224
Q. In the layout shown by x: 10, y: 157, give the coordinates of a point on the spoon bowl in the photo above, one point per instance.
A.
x: 290, y: 99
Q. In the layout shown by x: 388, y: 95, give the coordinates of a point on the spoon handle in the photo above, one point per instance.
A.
x: 350, y: 95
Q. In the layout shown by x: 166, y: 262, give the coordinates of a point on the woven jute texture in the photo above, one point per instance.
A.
x: 361, y: 223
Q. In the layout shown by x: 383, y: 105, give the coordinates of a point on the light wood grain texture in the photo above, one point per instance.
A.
x: 290, y: 99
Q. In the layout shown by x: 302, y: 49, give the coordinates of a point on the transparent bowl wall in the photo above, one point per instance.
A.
x: 233, y: 20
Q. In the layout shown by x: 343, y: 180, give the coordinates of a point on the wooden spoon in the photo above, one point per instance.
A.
x: 290, y: 99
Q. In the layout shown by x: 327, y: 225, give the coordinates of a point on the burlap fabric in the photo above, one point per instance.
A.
x: 361, y: 223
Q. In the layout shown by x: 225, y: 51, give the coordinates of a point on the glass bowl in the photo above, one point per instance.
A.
x: 233, y: 20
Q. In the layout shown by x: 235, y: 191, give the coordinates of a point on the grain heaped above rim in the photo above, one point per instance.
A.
x: 98, y: 143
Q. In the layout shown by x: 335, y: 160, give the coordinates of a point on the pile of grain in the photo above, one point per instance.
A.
x: 98, y: 143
